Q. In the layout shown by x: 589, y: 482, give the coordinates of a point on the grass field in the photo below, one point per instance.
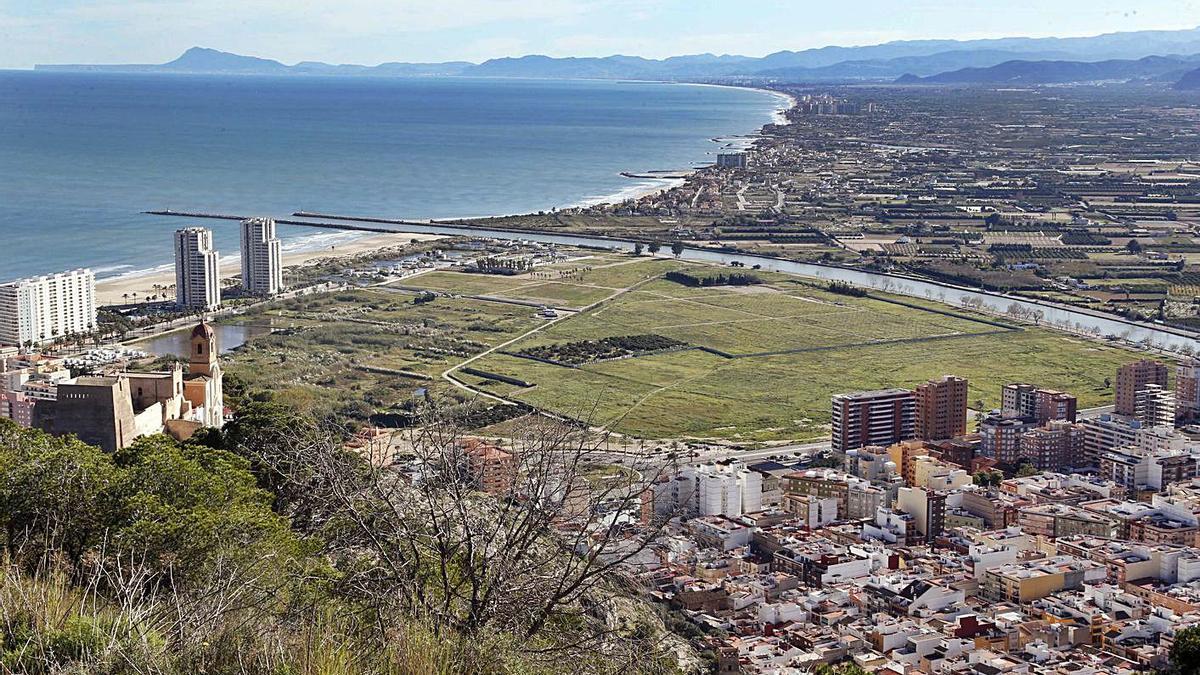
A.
x: 835, y: 343
x: 574, y: 284
x: 783, y: 348
x: 317, y: 362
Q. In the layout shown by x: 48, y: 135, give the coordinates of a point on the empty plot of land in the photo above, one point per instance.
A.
x: 794, y: 345
x: 571, y: 284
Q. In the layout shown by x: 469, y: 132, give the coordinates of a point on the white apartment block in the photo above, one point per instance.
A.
x: 38, y: 310
x: 709, y: 490
x: 262, y: 257
x: 197, y: 270
x: 1155, y: 406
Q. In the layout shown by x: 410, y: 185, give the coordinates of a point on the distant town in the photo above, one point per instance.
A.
x: 908, y: 382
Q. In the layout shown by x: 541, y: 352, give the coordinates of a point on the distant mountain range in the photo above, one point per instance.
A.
x: 1151, y: 68
x: 913, y: 60
x: 1190, y: 81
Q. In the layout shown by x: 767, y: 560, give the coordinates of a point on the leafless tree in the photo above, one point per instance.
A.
x: 527, y: 539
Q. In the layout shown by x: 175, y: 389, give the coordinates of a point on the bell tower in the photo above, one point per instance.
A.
x: 204, y: 350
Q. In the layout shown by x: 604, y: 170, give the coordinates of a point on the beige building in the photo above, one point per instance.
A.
x: 1024, y: 582
x: 112, y: 411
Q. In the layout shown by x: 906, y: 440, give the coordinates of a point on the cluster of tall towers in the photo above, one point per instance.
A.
x: 197, y: 264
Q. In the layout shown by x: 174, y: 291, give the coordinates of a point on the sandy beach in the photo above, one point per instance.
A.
x: 120, y: 290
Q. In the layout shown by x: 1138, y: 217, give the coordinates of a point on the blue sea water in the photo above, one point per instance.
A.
x: 82, y: 155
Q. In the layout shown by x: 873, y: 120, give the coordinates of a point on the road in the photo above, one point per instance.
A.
x: 448, y: 374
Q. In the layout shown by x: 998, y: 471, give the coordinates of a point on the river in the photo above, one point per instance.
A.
x: 178, y: 343
x: 1058, y: 316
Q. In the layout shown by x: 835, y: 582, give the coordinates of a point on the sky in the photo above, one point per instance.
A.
x: 375, y: 31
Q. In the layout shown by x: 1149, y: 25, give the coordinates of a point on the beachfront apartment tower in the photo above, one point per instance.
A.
x: 262, y: 257
x: 197, y: 270
x: 873, y: 418
x: 43, y: 309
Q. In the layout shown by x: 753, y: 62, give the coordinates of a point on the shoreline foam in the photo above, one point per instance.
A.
x: 302, y: 250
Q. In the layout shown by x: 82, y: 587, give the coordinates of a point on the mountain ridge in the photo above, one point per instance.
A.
x: 881, y: 62
x: 1150, y: 68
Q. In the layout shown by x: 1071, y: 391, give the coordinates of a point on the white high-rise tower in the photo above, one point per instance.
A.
x: 197, y: 270
x: 262, y: 258
x: 43, y: 309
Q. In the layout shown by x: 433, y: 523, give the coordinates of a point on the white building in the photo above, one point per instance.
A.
x: 711, y: 490
x: 1154, y: 406
x: 890, y: 526
x: 262, y: 257
x: 41, y: 309
x: 197, y: 270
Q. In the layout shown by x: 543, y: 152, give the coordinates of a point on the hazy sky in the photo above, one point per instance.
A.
x: 373, y: 31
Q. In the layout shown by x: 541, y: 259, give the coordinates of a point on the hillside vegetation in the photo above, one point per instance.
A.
x: 265, y: 548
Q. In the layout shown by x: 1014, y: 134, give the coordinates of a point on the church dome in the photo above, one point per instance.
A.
x: 203, y: 330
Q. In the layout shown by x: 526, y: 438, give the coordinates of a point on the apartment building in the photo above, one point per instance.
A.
x: 941, y: 408
x: 1134, y: 377
x: 1054, y: 447
x: 1040, y: 405
x: 42, y: 309
x: 197, y: 270
x: 262, y: 257
x: 866, y: 418
x: 1154, y: 405
x: 1000, y: 437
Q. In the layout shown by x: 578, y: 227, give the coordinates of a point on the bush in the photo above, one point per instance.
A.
x: 587, y: 351
x: 843, y: 288
x: 714, y: 279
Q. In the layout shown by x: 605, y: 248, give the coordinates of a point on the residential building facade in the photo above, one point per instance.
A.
x: 38, y: 310
x: 262, y: 257
x: 197, y: 270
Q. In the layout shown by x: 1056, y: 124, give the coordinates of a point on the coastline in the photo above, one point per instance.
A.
x: 121, y: 288
x: 662, y: 185
x: 113, y: 290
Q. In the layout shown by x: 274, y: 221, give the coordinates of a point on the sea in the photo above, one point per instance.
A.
x: 82, y: 155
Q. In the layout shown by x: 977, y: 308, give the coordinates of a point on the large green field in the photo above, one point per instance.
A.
x: 337, y: 349
x: 782, y: 349
x: 573, y: 284
x: 761, y: 365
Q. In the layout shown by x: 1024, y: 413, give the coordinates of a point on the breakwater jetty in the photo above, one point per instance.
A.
x: 352, y: 226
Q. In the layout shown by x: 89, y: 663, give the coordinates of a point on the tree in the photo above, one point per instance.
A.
x: 677, y: 248
x: 190, y: 507
x: 1133, y: 246
x: 841, y: 669
x: 1185, y: 652
x: 527, y: 557
x: 653, y: 247
x: 56, y: 494
x: 638, y: 248
x: 988, y: 478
